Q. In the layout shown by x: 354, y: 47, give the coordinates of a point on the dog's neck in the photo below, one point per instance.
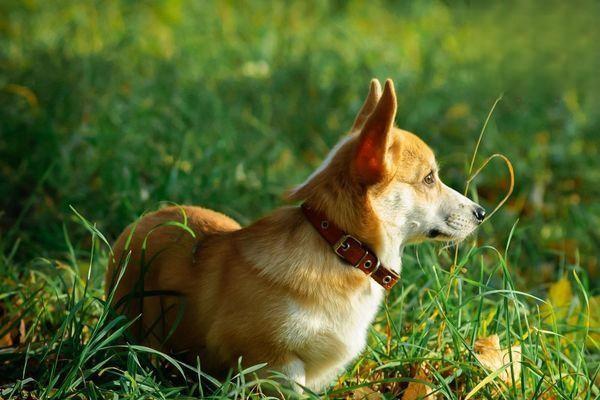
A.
x: 287, y: 249
x: 386, y: 239
x: 392, y: 247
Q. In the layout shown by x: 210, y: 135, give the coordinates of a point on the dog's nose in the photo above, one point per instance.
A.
x: 479, y: 213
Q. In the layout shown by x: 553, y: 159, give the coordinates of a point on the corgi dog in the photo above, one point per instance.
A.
x: 298, y: 288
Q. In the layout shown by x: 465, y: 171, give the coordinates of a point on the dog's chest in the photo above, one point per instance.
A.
x: 334, y: 331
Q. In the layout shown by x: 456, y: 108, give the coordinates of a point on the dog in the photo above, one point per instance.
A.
x: 298, y: 288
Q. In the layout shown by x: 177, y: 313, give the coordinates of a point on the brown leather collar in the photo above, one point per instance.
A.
x: 350, y: 249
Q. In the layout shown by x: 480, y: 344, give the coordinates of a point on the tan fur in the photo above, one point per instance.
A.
x: 274, y: 291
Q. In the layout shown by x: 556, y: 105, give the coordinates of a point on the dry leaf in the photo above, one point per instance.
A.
x: 560, y: 293
x: 6, y: 340
x: 589, y: 319
x: 419, y: 390
x: 366, y: 393
x: 493, y: 358
x: 560, y: 296
x: 14, y: 336
x: 593, y: 339
x: 563, y: 305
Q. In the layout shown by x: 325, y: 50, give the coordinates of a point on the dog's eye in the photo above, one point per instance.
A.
x: 429, y: 179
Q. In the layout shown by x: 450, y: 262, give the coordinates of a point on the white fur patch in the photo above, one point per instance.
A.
x: 330, y: 335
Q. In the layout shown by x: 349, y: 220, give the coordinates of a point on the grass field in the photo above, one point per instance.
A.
x: 109, y: 109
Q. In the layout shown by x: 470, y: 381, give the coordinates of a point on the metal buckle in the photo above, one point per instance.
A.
x: 340, y: 243
x: 344, y: 244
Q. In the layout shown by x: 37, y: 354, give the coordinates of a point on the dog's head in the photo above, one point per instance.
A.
x: 380, y: 181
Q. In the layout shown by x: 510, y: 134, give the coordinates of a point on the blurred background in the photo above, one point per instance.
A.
x: 113, y: 107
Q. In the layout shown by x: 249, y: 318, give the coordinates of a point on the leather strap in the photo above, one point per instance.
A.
x: 350, y: 249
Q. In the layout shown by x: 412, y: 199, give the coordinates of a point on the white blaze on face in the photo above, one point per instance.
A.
x: 409, y: 217
x: 459, y: 213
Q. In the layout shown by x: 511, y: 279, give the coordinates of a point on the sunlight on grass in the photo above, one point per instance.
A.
x: 108, y: 109
x: 74, y: 344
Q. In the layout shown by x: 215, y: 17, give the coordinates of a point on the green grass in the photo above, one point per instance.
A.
x: 114, y: 107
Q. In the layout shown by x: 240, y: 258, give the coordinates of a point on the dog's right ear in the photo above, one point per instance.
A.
x: 368, y: 106
x: 369, y: 163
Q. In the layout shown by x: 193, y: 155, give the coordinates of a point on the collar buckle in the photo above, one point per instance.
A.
x: 350, y: 249
x: 341, y: 244
x: 345, y: 244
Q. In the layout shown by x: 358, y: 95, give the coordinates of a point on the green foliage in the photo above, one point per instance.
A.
x: 112, y: 107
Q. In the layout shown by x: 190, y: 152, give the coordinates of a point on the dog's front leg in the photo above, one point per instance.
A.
x: 294, y: 370
x: 290, y: 375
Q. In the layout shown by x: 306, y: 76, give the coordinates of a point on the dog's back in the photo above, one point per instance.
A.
x: 160, y: 250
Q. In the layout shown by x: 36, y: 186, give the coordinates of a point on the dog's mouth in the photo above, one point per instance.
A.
x: 454, y: 228
x: 447, y: 235
x: 438, y: 234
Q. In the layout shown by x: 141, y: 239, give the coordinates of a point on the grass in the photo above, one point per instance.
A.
x: 108, y: 109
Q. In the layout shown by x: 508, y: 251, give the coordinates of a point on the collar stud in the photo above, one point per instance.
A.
x: 350, y: 249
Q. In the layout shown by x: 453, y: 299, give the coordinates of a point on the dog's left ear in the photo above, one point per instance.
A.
x: 368, y: 106
x: 369, y: 161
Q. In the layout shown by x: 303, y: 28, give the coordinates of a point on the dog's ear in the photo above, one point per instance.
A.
x: 368, y: 106
x: 369, y: 161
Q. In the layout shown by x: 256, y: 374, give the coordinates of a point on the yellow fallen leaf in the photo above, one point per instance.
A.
x: 560, y: 293
x: 593, y: 339
x: 563, y: 305
x: 14, y: 336
x: 587, y: 319
x: 6, y: 340
x: 366, y: 393
x: 494, y: 358
x: 419, y: 390
x: 560, y: 296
